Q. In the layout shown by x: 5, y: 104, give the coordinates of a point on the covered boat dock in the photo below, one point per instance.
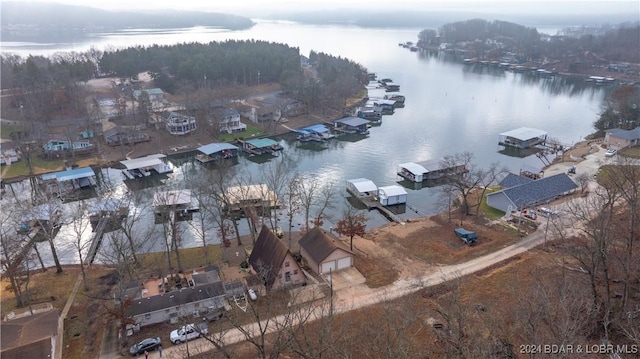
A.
x: 392, y: 195
x: 176, y: 205
x: 523, y: 138
x: 353, y: 125
x: 141, y: 167
x: 69, y: 180
x: 428, y: 170
x: 362, y: 188
x: 314, y: 133
x: 216, y: 151
x: 260, y: 146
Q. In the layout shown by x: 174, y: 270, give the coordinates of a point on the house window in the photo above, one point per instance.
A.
x: 147, y: 316
x: 286, y: 264
x: 287, y: 276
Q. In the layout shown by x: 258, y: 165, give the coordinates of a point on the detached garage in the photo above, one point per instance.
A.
x: 324, y: 253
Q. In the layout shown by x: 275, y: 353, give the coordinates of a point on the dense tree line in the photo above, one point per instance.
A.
x: 618, y: 44
x: 622, y: 110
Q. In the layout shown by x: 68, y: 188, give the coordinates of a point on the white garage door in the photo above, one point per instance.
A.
x: 344, y: 263
x: 326, y: 267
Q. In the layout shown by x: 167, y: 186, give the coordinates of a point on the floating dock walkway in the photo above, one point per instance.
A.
x: 373, y: 203
x: 96, y: 240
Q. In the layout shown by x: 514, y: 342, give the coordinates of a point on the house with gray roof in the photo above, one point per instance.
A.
x: 513, y: 180
x: 32, y: 336
x: 324, y: 253
x: 532, y: 193
x: 205, y: 293
x: 274, y: 263
x: 618, y: 138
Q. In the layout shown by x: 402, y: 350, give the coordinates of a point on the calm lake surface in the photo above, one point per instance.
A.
x: 450, y: 107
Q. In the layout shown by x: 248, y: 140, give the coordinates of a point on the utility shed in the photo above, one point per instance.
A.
x: 362, y: 187
x: 390, y: 195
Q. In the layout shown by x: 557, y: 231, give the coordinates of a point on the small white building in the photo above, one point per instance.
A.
x: 362, y: 187
x: 391, y: 195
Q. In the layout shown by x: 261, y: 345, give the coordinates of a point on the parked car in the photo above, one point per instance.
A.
x: 468, y: 237
x: 188, y: 332
x: 611, y: 152
x: 212, y: 315
x: 547, y: 212
x: 145, y: 345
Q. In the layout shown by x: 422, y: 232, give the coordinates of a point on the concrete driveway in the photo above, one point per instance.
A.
x: 347, y: 278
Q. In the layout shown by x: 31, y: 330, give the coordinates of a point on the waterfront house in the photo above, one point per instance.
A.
x: 351, y: 125
x: 118, y: 136
x: 293, y: 108
x: 227, y: 120
x: 216, y: 151
x: 523, y: 138
x: 30, y: 336
x: 56, y: 148
x: 618, y: 138
x: 156, y: 96
x: 273, y: 262
x: 152, y: 304
x: 531, y: 193
x: 324, y: 253
x: 180, y: 124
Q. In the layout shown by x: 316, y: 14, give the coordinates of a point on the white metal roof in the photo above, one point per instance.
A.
x: 363, y: 185
x: 148, y: 161
x: 524, y: 133
x: 393, y: 190
x: 414, y: 168
x: 172, y: 198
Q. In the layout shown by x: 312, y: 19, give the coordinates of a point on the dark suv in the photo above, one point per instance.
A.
x: 145, y: 345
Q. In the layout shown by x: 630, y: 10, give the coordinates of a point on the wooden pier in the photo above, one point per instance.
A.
x: 96, y: 240
x: 373, y: 203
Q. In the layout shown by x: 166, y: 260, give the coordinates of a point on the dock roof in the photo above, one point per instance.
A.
x: 315, y: 128
x: 147, y: 161
x: 172, y: 198
x: 413, y: 168
x: 216, y: 147
x: 352, y: 121
x: 393, y: 190
x: 524, y: 133
x: 363, y: 185
x: 262, y: 142
x: 69, y: 175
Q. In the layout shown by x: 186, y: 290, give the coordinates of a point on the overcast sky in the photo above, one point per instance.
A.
x: 267, y: 6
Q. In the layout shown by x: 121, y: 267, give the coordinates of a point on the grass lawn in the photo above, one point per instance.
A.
x: 38, y: 164
x: 7, y: 130
x: 189, y: 257
x: 490, y: 212
x: 633, y: 152
x: 252, y: 131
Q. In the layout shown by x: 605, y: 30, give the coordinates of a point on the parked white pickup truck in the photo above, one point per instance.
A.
x: 188, y: 332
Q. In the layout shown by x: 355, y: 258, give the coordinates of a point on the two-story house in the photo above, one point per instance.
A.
x: 180, y: 124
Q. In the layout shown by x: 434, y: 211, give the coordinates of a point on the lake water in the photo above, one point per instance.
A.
x: 450, y: 107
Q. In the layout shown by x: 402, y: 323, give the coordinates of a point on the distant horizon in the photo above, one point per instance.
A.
x: 257, y: 8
